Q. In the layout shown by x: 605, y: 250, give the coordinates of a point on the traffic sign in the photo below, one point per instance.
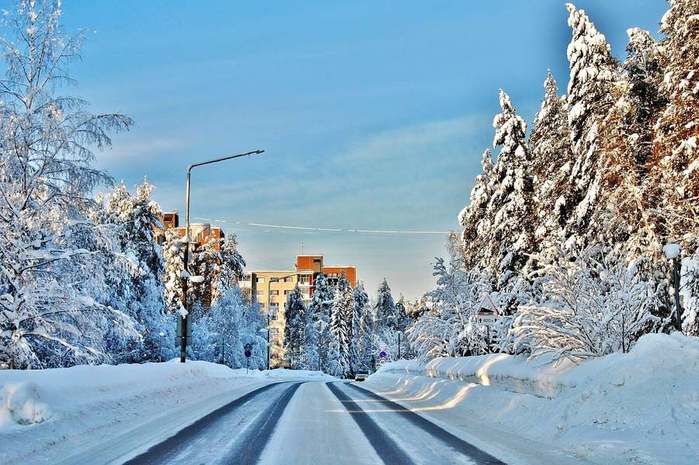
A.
x: 383, y: 354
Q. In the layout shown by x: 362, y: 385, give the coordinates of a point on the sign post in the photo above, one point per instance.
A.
x: 248, y: 354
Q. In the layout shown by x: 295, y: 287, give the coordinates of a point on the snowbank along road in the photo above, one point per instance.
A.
x: 317, y: 423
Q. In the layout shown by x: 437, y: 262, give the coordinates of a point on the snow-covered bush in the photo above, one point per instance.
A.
x: 594, y: 305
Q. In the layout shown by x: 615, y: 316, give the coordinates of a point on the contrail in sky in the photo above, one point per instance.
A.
x: 318, y: 229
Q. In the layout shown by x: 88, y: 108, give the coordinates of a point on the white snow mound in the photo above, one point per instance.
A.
x: 20, y: 404
x: 640, y: 407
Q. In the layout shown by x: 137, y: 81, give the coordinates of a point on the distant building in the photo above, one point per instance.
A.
x: 270, y: 288
x: 201, y: 234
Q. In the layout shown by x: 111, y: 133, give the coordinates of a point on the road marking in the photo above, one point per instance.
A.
x: 385, y: 447
x: 456, y: 443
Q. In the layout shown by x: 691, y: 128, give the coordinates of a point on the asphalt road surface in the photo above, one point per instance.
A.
x: 314, y: 423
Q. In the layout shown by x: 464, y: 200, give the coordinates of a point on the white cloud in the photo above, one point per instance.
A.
x: 126, y: 150
x: 420, y: 141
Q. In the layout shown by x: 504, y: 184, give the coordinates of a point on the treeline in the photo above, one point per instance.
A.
x: 340, y: 332
x: 83, y: 280
x: 584, y: 235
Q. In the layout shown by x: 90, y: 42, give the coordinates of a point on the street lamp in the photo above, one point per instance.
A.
x: 186, y: 277
x: 269, y: 307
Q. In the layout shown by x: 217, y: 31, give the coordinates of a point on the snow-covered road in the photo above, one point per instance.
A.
x: 314, y: 423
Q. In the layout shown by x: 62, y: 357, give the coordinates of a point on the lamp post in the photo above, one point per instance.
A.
x: 185, y: 278
x: 269, y: 308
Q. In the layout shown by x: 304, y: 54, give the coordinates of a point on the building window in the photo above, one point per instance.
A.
x: 274, y: 292
x: 304, y: 279
x: 260, y: 280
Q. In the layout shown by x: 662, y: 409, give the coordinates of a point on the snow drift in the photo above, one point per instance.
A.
x: 88, y: 412
x: 640, y: 407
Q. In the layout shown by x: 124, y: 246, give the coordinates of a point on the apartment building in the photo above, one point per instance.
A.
x: 270, y: 289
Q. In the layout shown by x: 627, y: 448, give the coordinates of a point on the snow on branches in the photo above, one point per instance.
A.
x: 594, y: 305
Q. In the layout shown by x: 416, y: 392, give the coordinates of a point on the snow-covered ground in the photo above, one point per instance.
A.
x: 103, y: 412
x: 635, y: 408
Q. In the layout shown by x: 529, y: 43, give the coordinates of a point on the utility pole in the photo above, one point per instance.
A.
x: 184, y: 321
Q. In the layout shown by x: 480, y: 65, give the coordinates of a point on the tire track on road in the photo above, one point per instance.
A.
x: 456, y: 443
x: 385, y: 447
x: 160, y: 452
x: 250, y: 445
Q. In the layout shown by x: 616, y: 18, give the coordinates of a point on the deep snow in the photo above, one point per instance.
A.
x: 640, y: 408
x: 108, y: 412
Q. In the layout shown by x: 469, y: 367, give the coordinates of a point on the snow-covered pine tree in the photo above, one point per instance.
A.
x: 340, y: 322
x: 295, y: 317
x: 362, y: 342
x: 621, y: 220
x: 552, y: 160
x: 511, y: 207
x: 385, y: 308
x: 134, y: 219
x: 473, y: 219
x: 675, y: 163
x: 48, y: 312
x: 593, y: 71
x: 230, y: 267
x: 320, y: 310
x: 310, y: 357
x: 173, y: 252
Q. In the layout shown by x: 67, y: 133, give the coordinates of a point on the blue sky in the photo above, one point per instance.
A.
x: 373, y: 113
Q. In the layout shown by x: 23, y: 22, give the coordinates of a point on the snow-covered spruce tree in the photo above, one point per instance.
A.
x: 385, y: 307
x: 230, y: 268
x: 625, y: 199
x: 133, y: 220
x: 295, y: 316
x: 362, y: 342
x: 173, y: 253
x: 48, y: 315
x: 595, y: 305
x: 511, y: 207
x: 341, y: 321
x: 552, y: 160
x: 674, y: 170
x: 319, y: 311
x: 388, y: 324
x: 310, y: 357
x: 473, y: 219
x: 593, y: 71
